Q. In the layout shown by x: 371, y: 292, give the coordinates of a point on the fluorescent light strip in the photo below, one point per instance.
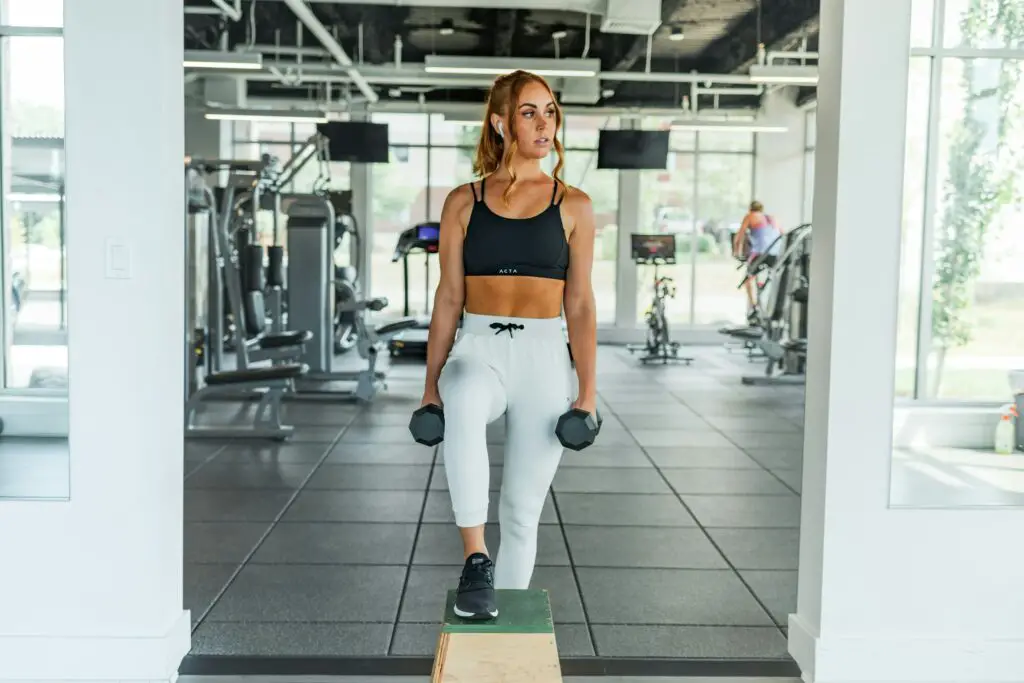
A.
x: 790, y: 75
x: 711, y: 126
x: 195, y: 64
x: 283, y: 116
x: 497, y: 71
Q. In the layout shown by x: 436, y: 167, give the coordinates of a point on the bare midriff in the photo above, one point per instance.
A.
x: 514, y: 296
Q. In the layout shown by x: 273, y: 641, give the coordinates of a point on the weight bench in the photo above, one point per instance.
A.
x: 287, y: 346
x: 271, y: 382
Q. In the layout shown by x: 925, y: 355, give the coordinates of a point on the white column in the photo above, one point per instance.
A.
x: 361, y: 180
x: 779, y: 164
x: 93, y: 586
x: 884, y: 594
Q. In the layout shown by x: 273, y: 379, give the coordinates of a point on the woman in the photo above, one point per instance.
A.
x: 762, y: 233
x: 516, y: 249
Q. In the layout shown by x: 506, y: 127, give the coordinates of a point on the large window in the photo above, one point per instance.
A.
x: 701, y: 198
x: 34, y: 267
x: 963, y: 246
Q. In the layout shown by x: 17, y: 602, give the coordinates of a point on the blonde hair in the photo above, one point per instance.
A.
x: 493, y: 150
x: 757, y: 207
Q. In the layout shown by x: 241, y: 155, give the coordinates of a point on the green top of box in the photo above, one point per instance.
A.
x: 519, y: 611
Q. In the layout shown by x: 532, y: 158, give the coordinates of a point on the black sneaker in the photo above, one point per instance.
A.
x: 475, y: 597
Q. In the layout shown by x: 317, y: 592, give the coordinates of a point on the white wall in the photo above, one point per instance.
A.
x: 884, y: 594
x: 92, y: 587
x: 779, y: 167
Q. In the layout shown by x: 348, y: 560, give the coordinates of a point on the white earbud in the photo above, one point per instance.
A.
x: 501, y: 129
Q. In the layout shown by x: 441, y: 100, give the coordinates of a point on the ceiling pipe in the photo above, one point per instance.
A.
x: 592, y: 6
x: 306, y: 16
x: 777, y: 54
x: 232, y: 13
x: 417, y: 70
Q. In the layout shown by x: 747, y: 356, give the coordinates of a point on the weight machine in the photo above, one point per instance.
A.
x: 657, y: 250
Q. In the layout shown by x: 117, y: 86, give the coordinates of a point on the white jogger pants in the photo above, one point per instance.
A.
x: 519, y: 368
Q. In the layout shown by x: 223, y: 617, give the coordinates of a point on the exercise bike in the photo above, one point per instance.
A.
x: 657, y: 250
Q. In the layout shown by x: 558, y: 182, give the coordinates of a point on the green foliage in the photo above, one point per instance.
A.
x: 982, y: 171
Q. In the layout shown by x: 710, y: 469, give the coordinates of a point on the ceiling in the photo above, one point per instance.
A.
x: 719, y: 37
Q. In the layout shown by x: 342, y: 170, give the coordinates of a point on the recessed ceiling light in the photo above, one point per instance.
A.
x: 447, y: 27
x: 677, y: 34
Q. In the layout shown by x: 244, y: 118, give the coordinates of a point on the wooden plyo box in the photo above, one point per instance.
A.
x: 517, y: 647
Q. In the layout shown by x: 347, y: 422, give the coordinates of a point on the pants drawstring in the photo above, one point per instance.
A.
x: 506, y: 327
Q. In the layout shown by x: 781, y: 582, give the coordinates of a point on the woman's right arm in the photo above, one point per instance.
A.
x: 738, y: 239
x: 450, y: 296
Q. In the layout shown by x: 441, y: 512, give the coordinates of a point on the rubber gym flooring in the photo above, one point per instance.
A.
x: 672, y: 539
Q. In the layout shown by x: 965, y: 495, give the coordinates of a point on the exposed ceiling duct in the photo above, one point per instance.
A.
x: 316, y: 27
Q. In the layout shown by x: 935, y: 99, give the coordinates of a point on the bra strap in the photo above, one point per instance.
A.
x: 554, y: 194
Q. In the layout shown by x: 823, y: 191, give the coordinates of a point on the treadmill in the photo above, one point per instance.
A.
x: 422, y: 238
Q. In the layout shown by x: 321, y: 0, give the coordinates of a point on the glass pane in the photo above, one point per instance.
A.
x: 580, y: 131
x: 984, y: 24
x: 667, y: 206
x: 453, y: 133
x: 399, y: 202
x: 978, y: 290
x: 263, y: 131
x: 404, y: 129
x: 728, y: 141
x: 913, y: 226
x: 449, y: 168
x: 603, y: 188
x: 36, y: 13
x: 724, y: 191
x: 922, y: 13
x: 34, y: 237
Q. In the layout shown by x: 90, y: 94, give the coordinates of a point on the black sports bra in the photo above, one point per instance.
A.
x: 496, y: 245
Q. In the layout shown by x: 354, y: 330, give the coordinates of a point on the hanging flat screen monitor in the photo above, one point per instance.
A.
x: 359, y: 142
x: 633, y: 149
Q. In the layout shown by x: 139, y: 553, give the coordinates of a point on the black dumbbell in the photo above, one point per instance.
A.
x: 427, y: 425
x: 577, y: 429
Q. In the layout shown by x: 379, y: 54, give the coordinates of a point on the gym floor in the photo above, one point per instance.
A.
x: 674, y: 536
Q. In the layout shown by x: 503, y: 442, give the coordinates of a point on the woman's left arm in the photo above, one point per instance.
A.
x: 580, y: 309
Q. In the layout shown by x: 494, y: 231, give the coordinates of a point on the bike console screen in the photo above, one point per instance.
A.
x: 659, y: 249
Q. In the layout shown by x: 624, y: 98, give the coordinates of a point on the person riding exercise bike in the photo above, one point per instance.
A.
x: 758, y: 234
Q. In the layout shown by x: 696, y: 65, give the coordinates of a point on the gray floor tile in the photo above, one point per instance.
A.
x: 305, y: 593
x: 370, y: 477
x: 201, y: 450
x: 382, y: 434
x: 356, y: 506
x: 791, y: 477
x: 776, y: 589
x: 691, y: 642
x: 313, y: 415
x: 440, y: 544
x: 789, y: 458
x: 439, y: 509
x: 372, y: 454
x: 609, y: 480
x: 260, y: 454
x: 668, y: 596
x: 291, y: 639
x: 202, y: 584
x: 664, y: 547
x: 759, y: 548
x: 210, y: 505
x: 683, y: 419
x: 687, y: 457
x: 383, y: 419
x: 439, y: 482
x: 754, y: 423
x: 622, y: 509
x: 665, y: 438
x: 649, y: 409
x: 217, y: 542
x: 794, y: 441
x: 606, y: 456
x: 315, y: 434
x: 726, y: 482
x: 337, y: 543
x: 745, y: 511
x: 226, y: 475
